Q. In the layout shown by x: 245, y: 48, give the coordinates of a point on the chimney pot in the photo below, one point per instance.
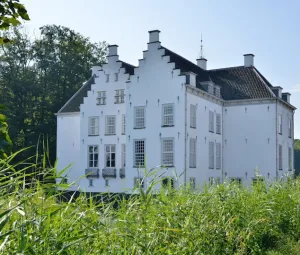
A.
x: 248, y: 60
x: 202, y: 62
x: 112, y: 50
x: 154, y: 36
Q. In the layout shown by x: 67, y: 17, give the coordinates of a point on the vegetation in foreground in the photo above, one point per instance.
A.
x: 223, y: 219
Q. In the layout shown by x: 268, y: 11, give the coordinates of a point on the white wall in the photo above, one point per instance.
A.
x: 153, y: 81
x: 249, y: 140
x: 202, y: 173
x: 68, y: 145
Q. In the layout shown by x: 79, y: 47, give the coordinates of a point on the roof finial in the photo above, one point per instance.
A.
x: 201, y: 48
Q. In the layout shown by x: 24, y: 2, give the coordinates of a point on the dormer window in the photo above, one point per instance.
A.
x: 107, y: 78
x: 120, y: 96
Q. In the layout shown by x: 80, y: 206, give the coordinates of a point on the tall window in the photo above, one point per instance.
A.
x: 139, y: 153
x: 218, y: 123
x: 280, y: 157
x: 218, y: 156
x: 280, y: 123
x: 93, y: 156
x: 211, y: 121
x: 119, y: 96
x: 123, y: 156
x: 214, y: 180
x: 138, y: 182
x: 116, y: 76
x: 167, y: 152
x: 193, y: 116
x: 290, y: 159
x: 107, y: 77
x: 93, y: 125
x: 110, y: 155
x: 192, y: 152
x: 123, y: 124
x: 139, y: 117
x: 110, y: 125
x: 168, y: 114
x: 290, y: 128
x: 167, y: 182
x: 193, y: 182
x: 101, y: 98
x: 211, y: 155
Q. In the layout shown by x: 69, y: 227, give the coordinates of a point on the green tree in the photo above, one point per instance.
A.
x: 5, y: 142
x: 297, y: 144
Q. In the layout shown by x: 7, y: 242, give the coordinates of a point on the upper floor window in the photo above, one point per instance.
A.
x: 116, y: 76
x: 167, y: 152
x: 218, y: 123
x: 211, y: 152
x: 193, y: 116
x: 123, y: 124
x: 211, y: 121
x: 101, y: 98
x: 123, y: 156
x: 290, y: 159
x: 110, y: 125
x: 168, y: 114
x: 290, y: 128
x: 120, y: 96
x: 192, y: 152
x: 93, y: 126
x: 280, y: 157
x: 93, y: 156
x: 107, y: 77
x: 218, y: 156
x: 280, y: 123
x: 110, y: 155
x: 139, y: 153
x: 139, y: 117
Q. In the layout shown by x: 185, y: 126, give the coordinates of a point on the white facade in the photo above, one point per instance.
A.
x: 185, y: 133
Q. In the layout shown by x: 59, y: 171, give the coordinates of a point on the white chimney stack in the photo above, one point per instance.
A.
x: 202, y: 62
x: 112, y: 50
x: 248, y: 60
x: 154, y: 36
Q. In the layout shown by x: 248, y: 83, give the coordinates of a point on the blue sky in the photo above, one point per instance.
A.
x: 269, y: 29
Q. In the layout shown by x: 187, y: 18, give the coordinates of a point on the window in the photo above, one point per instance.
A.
x: 168, y: 182
x: 107, y: 77
x: 168, y: 115
x: 64, y: 180
x: 211, y: 121
x: 280, y: 157
x: 119, y: 96
x: 138, y: 182
x: 93, y: 126
x: 123, y: 124
x: 290, y: 128
x: 218, y: 156
x: 116, y: 77
x: 257, y: 180
x: 167, y: 152
x: 218, y: 123
x: 193, y: 182
x: 110, y: 155
x: 110, y: 128
x: 139, y: 117
x: 123, y: 156
x: 93, y: 156
x: 101, y: 99
x: 290, y: 159
x: 139, y: 153
x: 91, y: 183
x: 192, y: 152
x: 280, y: 123
x: 193, y: 116
x: 236, y: 180
x: 106, y: 182
x: 211, y: 155
x: 214, y: 180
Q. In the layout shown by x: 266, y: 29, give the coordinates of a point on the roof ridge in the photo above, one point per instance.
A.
x: 224, y: 68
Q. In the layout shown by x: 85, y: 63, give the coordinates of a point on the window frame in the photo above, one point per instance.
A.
x: 119, y: 96
x: 193, y: 153
x: 106, y: 182
x: 290, y: 158
x: 211, y: 155
x: 123, y: 155
x: 139, y: 117
x: 101, y: 97
x: 193, y: 182
x: 123, y: 124
x: 165, y: 153
x: 116, y: 77
x: 91, y: 182
x: 110, y: 153
x: 211, y: 121
x: 214, y: 181
x: 96, y: 126
x: 193, y: 116
x: 107, y: 78
x: 139, y: 154
x: 107, y: 126
x: 290, y: 128
x: 94, y: 166
x: 165, y: 116
x: 218, y: 156
x: 280, y: 123
x: 138, y: 182
x: 280, y: 157
x: 218, y: 124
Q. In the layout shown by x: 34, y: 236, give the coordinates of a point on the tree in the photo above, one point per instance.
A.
x: 297, y: 144
x: 5, y: 142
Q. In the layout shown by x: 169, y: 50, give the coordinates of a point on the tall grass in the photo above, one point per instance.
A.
x: 223, y: 219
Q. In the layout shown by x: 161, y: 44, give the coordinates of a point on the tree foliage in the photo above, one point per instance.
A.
x: 297, y: 144
x: 39, y: 76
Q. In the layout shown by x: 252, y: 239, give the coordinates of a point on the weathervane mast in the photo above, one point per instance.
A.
x: 201, y: 48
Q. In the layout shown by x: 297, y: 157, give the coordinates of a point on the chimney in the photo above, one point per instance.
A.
x: 112, y: 50
x: 248, y: 60
x: 286, y: 96
x: 202, y: 62
x: 277, y: 91
x: 154, y: 36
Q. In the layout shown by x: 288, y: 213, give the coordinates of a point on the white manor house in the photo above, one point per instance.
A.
x: 192, y: 125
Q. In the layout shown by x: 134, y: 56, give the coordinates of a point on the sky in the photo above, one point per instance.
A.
x: 267, y: 28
